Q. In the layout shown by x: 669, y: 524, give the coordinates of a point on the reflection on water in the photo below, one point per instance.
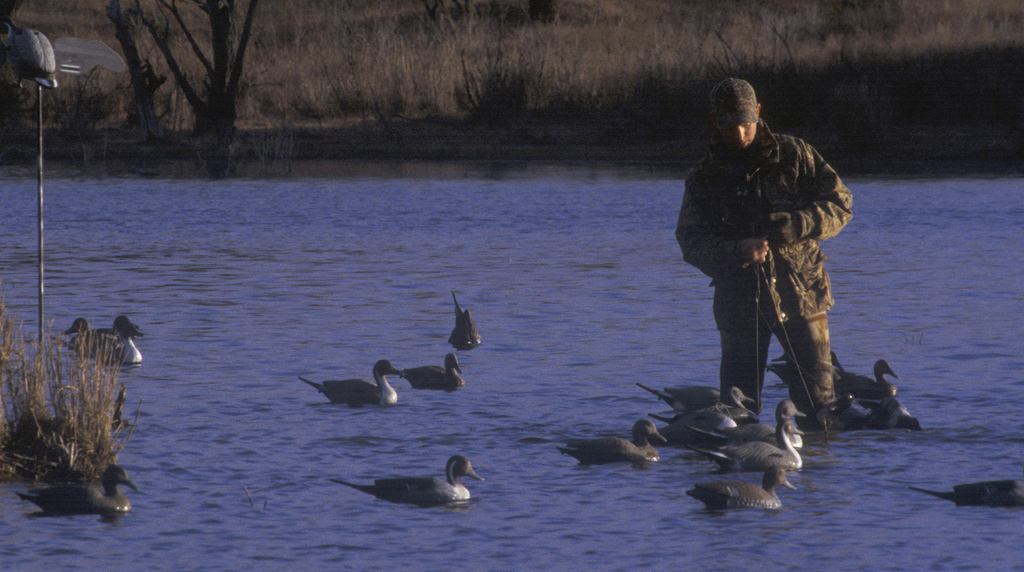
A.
x: 579, y: 291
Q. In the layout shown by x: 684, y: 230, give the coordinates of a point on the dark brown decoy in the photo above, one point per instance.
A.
x: 464, y: 336
x: 721, y: 495
x: 85, y: 498
x: 446, y: 378
x: 617, y: 449
x: 862, y: 386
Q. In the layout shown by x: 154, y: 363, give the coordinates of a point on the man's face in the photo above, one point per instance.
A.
x: 739, y: 136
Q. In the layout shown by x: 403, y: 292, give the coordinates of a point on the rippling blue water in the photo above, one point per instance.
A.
x: 579, y: 290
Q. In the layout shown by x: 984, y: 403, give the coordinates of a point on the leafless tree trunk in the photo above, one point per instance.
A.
x: 144, y: 81
x: 212, y: 97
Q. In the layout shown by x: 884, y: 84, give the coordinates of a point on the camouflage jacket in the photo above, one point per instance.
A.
x: 729, y: 196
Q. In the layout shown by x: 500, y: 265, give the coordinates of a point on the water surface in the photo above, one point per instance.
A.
x: 579, y: 290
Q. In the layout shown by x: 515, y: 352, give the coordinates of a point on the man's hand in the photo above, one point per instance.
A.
x: 753, y: 250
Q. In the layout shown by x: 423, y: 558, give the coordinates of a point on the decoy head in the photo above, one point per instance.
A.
x: 79, y: 326
x: 452, y: 362
x: 644, y: 429
x: 774, y: 477
x: 786, y: 409
x: 458, y: 467
x: 115, y: 475
x: 125, y: 327
x: 384, y: 367
x: 739, y: 399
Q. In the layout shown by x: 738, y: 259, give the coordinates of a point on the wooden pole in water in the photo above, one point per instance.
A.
x: 39, y: 132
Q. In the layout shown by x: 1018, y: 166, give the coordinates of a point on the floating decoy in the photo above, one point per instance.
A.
x: 464, y: 336
x: 1007, y: 492
x: 843, y: 414
x: 784, y: 413
x: 889, y: 413
x: 680, y: 429
x: 85, y: 498
x: 862, y: 386
x: 114, y: 345
x: 720, y: 495
x: 755, y: 455
x: 436, y: 377
x: 424, y: 491
x: 31, y: 55
x: 616, y: 449
x: 686, y: 398
x: 357, y: 392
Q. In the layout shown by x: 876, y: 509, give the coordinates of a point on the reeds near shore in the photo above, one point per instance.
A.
x: 860, y: 69
x: 57, y: 409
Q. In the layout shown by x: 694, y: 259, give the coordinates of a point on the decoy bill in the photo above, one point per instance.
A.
x: 721, y: 495
x: 69, y: 499
x: 424, y: 491
x: 464, y: 335
x: 617, y: 449
x: 358, y: 392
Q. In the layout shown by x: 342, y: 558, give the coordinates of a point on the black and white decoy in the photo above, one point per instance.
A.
x: 424, y: 491
x: 358, y: 392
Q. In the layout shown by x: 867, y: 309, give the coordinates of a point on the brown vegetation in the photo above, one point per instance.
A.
x: 58, y: 411
x: 917, y: 78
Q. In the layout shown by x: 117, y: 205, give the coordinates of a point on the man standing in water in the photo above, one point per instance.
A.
x: 754, y: 209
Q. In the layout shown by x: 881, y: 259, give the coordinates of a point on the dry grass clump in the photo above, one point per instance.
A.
x: 57, y: 409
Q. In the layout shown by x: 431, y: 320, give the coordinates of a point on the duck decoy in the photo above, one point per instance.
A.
x: 721, y: 495
x: 617, y: 449
x: 464, y: 336
x: 889, y: 413
x: 436, y: 377
x: 423, y: 491
x: 693, y: 427
x: 784, y: 413
x: 843, y: 414
x: 686, y: 398
x: 862, y: 386
x: 31, y: 55
x: 85, y: 498
x: 1008, y: 492
x: 755, y: 455
x: 115, y: 345
x: 358, y: 392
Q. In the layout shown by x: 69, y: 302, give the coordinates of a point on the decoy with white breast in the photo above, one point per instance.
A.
x: 424, y: 491
x: 358, y: 392
x: 465, y: 335
x: 721, y: 495
x: 755, y: 455
x: 446, y: 378
x: 80, y: 498
x: 784, y: 413
x: 617, y: 449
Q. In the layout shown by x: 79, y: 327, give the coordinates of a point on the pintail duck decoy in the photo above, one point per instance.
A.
x: 85, y: 498
x: 617, y: 449
x: 424, y: 491
x: 357, y: 392
x: 862, y: 386
x: 686, y: 398
x: 464, y: 336
x: 721, y: 495
x: 784, y: 413
x: 1008, y: 492
x: 31, y: 54
x: 694, y: 427
x: 114, y: 345
x: 436, y: 377
x: 755, y: 455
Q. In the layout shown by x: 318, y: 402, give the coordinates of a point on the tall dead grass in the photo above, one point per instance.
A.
x: 57, y: 409
x: 328, y: 62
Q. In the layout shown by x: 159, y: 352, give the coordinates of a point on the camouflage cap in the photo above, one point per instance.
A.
x: 733, y: 102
